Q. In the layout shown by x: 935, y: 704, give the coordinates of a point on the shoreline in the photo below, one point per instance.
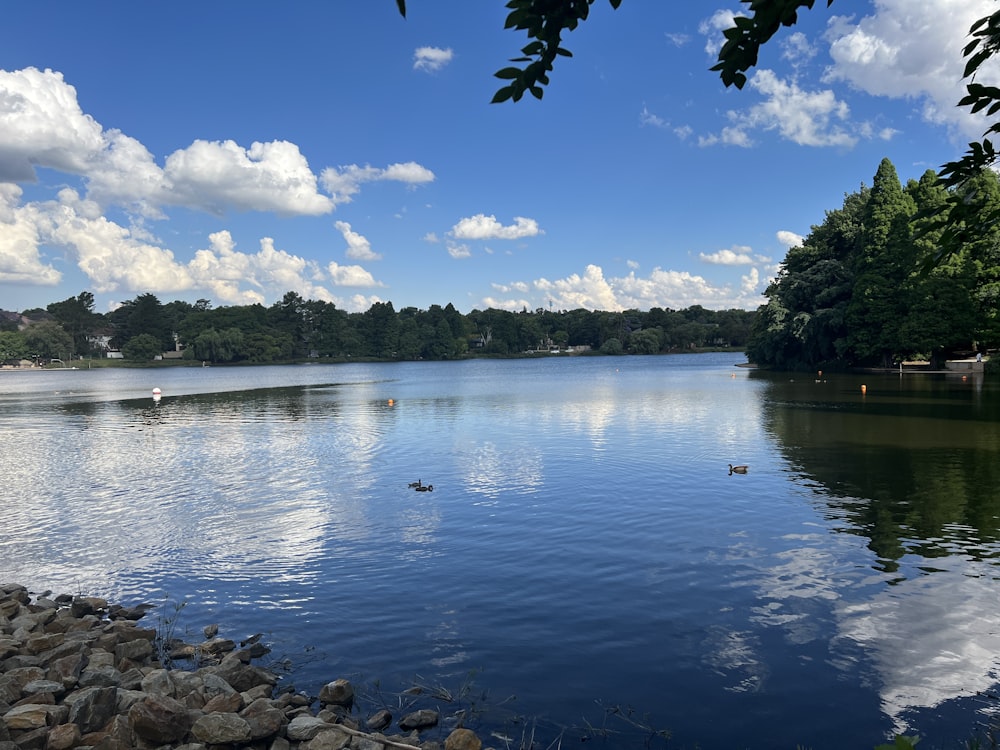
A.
x: 78, y: 672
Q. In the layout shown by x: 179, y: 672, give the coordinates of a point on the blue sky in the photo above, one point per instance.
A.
x: 235, y: 151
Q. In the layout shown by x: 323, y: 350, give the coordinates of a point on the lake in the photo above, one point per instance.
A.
x: 585, y: 561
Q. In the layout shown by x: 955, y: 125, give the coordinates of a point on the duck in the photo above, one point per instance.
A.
x: 425, y: 488
x: 414, y: 485
x: 742, y: 469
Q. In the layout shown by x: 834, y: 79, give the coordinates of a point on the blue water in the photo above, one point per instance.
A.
x: 584, y: 549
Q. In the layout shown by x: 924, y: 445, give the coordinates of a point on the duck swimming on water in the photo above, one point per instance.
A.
x: 425, y: 488
x: 414, y: 485
x: 742, y: 469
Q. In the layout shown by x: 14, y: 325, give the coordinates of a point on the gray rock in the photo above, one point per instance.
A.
x: 29, y: 716
x: 159, y: 719
x: 338, y: 693
x: 63, y: 737
x: 221, y: 729
x: 422, y: 719
x: 43, y: 686
x: 304, y: 728
x: 332, y: 738
x: 379, y: 720
x: 93, y: 707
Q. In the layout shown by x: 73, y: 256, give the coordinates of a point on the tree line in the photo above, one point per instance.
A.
x: 871, y: 285
x: 294, y: 328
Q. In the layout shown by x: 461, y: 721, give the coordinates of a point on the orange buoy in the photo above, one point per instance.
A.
x: 391, y: 402
x: 864, y: 389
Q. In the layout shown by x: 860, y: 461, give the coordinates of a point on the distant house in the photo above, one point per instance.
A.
x: 100, y: 341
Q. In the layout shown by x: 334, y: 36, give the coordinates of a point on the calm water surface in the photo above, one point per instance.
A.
x: 584, y: 546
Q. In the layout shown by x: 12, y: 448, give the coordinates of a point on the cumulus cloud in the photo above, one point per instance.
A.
x: 739, y: 256
x: 343, y: 183
x: 590, y: 290
x: 218, y: 175
x: 482, y: 227
x: 458, y: 251
x: 358, y: 247
x: 661, y: 288
x: 712, y: 29
x: 351, y: 276
x: 912, y: 50
x: 20, y: 258
x: 431, y: 59
x: 901, y: 50
x: 808, y: 118
x: 42, y: 125
x: 120, y: 259
x: 789, y: 239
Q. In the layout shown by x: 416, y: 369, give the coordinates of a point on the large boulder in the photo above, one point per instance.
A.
x: 159, y: 719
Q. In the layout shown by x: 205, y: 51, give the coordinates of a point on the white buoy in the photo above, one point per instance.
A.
x: 156, y: 394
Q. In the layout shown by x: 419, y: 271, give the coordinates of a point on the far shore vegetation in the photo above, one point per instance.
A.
x: 868, y: 287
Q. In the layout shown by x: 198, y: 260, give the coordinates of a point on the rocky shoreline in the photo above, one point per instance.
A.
x: 77, y: 673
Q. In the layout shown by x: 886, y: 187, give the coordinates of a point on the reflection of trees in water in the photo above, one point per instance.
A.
x: 913, y: 465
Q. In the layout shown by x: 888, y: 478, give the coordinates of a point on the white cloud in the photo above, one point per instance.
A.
x: 482, y: 227
x: 661, y: 288
x: 814, y: 118
x: 358, y: 247
x: 20, y: 259
x: 648, y: 118
x: 590, y: 290
x: 218, y: 175
x: 351, y: 276
x: 458, y: 251
x: 343, y: 183
x: 797, y: 49
x: 431, y: 59
x: 712, y: 29
x: 789, y: 239
x: 42, y: 125
x: 908, y: 49
x: 110, y: 256
x: 740, y: 256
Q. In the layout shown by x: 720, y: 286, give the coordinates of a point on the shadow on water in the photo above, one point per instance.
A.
x: 912, y: 463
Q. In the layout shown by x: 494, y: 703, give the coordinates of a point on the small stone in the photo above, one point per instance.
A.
x: 221, y: 729
x: 63, y: 737
x: 159, y: 719
x: 29, y: 716
x: 339, y: 693
x: 303, y: 728
x: 379, y: 720
x: 422, y: 719
x: 462, y: 739
x: 43, y: 686
x: 332, y: 738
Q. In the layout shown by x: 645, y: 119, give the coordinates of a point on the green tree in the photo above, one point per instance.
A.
x: 646, y: 341
x: 382, y: 330
x: 48, y: 340
x: 13, y: 346
x: 883, y: 263
x: 76, y: 316
x: 803, y: 325
x: 612, y: 346
x: 142, y: 348
x: 289, y: 317
x: 144, y: 314
x: 219, y: 346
